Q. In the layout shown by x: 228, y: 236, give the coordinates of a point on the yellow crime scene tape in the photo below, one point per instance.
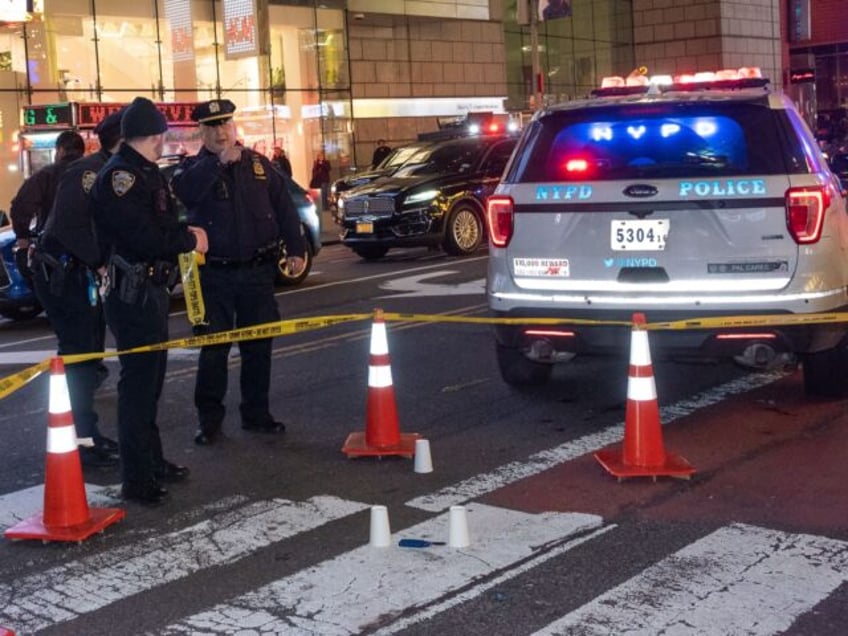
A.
x: 190, y: 274
x: 17, y: 380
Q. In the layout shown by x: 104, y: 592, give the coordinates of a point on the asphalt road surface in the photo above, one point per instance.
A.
x: 270, y: 535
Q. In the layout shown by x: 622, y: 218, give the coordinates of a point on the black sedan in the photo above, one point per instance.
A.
x: 437, y: 199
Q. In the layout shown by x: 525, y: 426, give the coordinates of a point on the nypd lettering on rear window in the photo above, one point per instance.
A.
x: 722, y: 188
x: 564, y: 193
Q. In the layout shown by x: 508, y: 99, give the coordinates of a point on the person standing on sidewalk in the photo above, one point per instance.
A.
x: 243, y: 203
x: 69, y: 265
x: 135, y: 216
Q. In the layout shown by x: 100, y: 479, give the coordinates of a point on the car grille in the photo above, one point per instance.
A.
x: 371, y: 206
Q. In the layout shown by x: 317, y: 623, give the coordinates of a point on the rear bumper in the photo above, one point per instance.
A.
x: 706, y: 342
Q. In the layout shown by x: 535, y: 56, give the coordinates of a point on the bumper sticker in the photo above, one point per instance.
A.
x: 541, y: 267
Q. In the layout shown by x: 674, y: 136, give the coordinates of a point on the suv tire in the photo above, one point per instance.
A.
x: 516, y: 370
x: 283, y: 277
x: 463, y: 230
x: 826, y: 372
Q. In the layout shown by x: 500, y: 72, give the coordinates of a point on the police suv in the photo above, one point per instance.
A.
x: 697, y: 198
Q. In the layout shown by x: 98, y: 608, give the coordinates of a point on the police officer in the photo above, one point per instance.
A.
x: 134, y: 214
x: 243, y: 203
x: 34, y: 199
x: 68, y: 266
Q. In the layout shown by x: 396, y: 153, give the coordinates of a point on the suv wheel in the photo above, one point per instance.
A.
x: 370, y: 252
x: 826, y: 372
x: 283, y: 276
x: 464, y: 231
x: 517, y: 370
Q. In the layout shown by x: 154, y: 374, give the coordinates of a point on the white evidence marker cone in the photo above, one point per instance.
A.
x: 380, y: 533
x: 423, y: 460
x: 458, y: 529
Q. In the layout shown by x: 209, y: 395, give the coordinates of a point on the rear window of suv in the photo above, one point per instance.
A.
x: 659, y: 140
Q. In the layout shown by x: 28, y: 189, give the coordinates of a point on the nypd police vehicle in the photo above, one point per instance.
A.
x: 696, y: 198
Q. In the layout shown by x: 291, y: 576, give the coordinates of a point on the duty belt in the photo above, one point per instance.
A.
x: 263, y: 256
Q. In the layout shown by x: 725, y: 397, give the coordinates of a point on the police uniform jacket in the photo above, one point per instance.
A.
x: 69, y: 229
x: 244, y: 206
x: 134, y: 210
x: 35, y: 197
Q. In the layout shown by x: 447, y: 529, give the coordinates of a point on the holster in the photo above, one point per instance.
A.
x: 53, y: 270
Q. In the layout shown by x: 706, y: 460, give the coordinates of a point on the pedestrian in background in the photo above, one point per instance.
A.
x: 281, y: 161
x: 68, y: 267
x: 136, y: 217
x: 34, y: 199
x: 380, y: 152
x: 244, y: 205
x: 321, y: 178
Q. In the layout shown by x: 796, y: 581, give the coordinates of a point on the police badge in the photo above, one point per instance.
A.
x: 122, y: 181
x: 258, y: 169
x: 87, y: 181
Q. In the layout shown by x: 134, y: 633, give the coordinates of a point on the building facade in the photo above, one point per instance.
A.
x: 338, y: 75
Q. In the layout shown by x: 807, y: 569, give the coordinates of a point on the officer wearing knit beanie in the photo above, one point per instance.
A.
x: 136, y: 218
x: 108, y: 131
x: 142, y: 119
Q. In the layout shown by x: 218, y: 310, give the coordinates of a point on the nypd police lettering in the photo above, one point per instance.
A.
x: 724, y: 188
x: 563, y: 193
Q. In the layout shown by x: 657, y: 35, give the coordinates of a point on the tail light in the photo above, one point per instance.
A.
x: 499, y: 218
x: 805, y: 212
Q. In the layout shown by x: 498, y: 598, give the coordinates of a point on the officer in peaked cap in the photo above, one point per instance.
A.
x: 73, y: 307
x: 136, y: 217
x: 214, y: 112
x: 243, y: 203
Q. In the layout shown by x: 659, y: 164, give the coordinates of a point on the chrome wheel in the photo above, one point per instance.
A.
x: 464, y: 232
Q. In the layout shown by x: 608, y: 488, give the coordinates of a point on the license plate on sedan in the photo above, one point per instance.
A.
x: 639, y: 235
x: 364, y: 228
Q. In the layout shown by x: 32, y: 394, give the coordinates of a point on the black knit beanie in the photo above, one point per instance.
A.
x: 142, y: 119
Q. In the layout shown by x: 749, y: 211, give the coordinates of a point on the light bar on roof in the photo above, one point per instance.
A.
x: 702, y: 77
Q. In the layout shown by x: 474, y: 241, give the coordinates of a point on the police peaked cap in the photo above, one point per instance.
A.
x: 213, y: 112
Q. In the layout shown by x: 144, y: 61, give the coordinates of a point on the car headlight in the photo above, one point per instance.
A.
x: 340, y: 204
x: 421, y: 197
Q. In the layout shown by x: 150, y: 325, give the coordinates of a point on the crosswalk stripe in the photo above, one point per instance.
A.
x: 484, y: 483
x: 366, y: 587
x: 738, y: 580
x: 65, y: 592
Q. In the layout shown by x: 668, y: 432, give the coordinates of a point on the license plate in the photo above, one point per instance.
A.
x: 639, y: 235
x: 364, y: 228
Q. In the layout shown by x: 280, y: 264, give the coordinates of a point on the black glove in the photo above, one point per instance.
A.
x: 22, y: 262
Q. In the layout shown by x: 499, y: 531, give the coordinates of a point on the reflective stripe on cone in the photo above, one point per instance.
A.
x: 66, y: 515
x: 382, y: 434
x: 642, y: 453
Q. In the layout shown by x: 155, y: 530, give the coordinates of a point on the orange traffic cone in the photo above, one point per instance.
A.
x: 643, y: 454
x: 66, y: 515
x: 382, y: 434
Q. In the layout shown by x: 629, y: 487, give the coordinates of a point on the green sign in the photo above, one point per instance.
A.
x: 48, y: 116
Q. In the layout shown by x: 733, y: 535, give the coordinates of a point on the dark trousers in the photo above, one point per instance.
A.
x: 142, y: 377
x: 234, y: 298
x: 79, y: 328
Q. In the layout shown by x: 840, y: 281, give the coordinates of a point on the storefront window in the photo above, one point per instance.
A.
x: 292, y: 89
